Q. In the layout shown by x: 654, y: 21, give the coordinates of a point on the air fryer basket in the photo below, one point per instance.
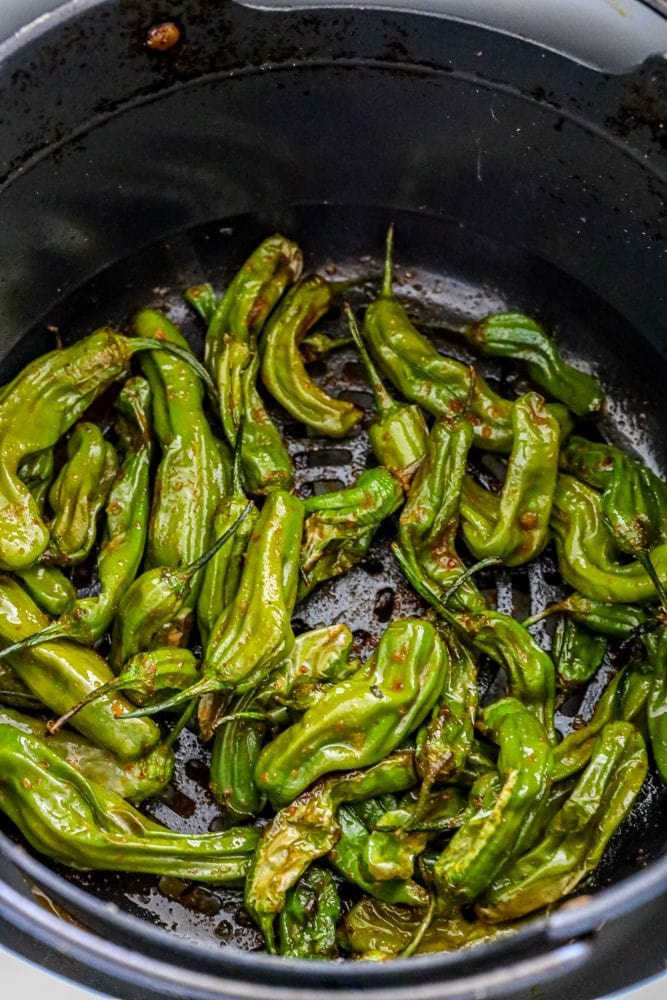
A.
x: 516, y: 178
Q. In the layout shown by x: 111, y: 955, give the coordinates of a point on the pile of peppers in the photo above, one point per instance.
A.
x: 367, y: 809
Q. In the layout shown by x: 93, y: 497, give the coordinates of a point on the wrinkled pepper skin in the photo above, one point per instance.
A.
x: 441, y: 812
x: 478, y: 850
x: 79, y: 494
x: 38, y: 408
x: 520, y: 338
x: 391, y: 854
x: 307, y: 829
x: 340, y: 526
x: 617, y: 621
x: 587, y: 558
x: 283, y: 371
x: 14, y: 693
x: 61, y: 674
x: 429, y: 521
x: 656, y: 709
x: 135, y: 782
x: 440, y: 385
x: 362, y: 719
x: 307, y: 925
x: 236, y: 749
x: 193, y: 474
x: 233, y: 361
x: 398, y: 432
x: 83, y: 825
x: 577, y: 652
x: 578, y: 835
x: 49, y: 588
x: 514, y: 526
x: 37, y: 472
x: 634, y: 499
x: 318, y: 657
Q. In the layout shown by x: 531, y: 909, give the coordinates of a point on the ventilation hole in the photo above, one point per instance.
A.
x: 305, y: 490
x: 224, y: 930
x: 328, y: 456
x: 322, y: 486
x: 202, y: 901
x: 296, y: 430
x: 299, y: 626
x: 384, y: 604
x: 197, y: 771
x: 317, y: 369
x: 178, y: 801
x: 360, y: 312
x: 333, y: 314
x: 218, y: 824
x: 354, y: 371
x: 373, y: 566
x: 364, y: 400
x: 570, y: 707
x: 172, y: 888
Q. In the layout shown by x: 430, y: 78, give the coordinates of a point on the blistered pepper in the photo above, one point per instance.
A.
x: 362, y: 719
x: 577, y: 652
x: 49, y: 588
x: 236, y: 749
x: 283, y: 371
x: 37, y: 472
x: 656, y: 708
x: 614, y: 620
x: 307, y: 925
x: 340, y: 526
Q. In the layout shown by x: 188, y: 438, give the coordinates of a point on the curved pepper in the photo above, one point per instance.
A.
x: 656, y: 708
x: 283, y: 371
x: 14, y: 692
x: 79, y: 494
x: 41, y: 405
x: 577, y: 836
x: 587, y: 559
x: 340, y: 526
x: 479, y: 849
x: 440, y: 385
x: 514, y: 336
x: 362, y: 719
x: 320, y: 656
x: 61, y: 674
x: 49, y: 588
x: 514, y: 525
x: 307, y: 925
x: 236, y: 749
x: 83, y: 825
x: 307, y: 829
x: 577, y: 652
x: 441, y: 812
x: 614, y: 620
x: 429, y: 521
x: 398, y: 432
x: 37, y: 471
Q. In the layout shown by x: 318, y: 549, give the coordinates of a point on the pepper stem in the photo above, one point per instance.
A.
x: 26, y: 699
x: 427, y: 592
x: 190, y: 570
x: 145, y: 344
x: 180, y: 725
x: 383, y: 400
x: 53, y: 631
x: 53, y: 726
x: 237, y: 468
x: 202, y: 687
x: 467, y: 574
x: 424, y: 925
x: 261, y: 716
x: 387, y: 285
x: 647, y: 563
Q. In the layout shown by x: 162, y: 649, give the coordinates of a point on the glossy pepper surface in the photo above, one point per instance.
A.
x: 340, y: 526
x: 49, y: 588
x: 515, y: 336
x: 362, y: 719
x: 577, y: 652
x: 283, y: 371
x: 307, y: 925
x: 514, y: 526
x: 656, y: 709
x: 236, y: 749
x: 613, y: 620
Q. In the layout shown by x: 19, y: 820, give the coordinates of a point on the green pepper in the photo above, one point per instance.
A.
x: 512, y: 335
x: 283, y: 371
x: 656, y: 709
x: 479, y: 849
x: 236, y: 749
x: 193, y: 474
x: 577, y: 652
x: 318, y: 657
x: 37, y: 471
x: 135, y: 781
x: 41, y: 405
x: 514, y: 525
x: 86, y: 619
x: 49, y: 588
x: 442, y: 811
x: 307, y: 829
x: 362, y: 719
x: 576, y: 838
x: 587, y: 558
x: 307, y: 925
x: 61, y: 674
x: 14, y: 692
x: 340, y: 526
x: 616, y: 621
x: 317, y: 345
x: 81, y: 824
x: 440, y: 385
x: 79, y: 494
x: 391, y: 854
x: 427, y: 527
x: 398, y: 433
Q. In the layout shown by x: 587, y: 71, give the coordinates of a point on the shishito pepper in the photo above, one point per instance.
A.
x: 61, y: 674
x: 84, y: 825
x: 49, y: 588
x: 514, y: 526
x: 86, y: 619
x: 307, y: 829
x: 398, y: 433
x: 439, y: 384
x: 234, y: 325
x: 236, y: 748
x: 13, y: 691
x: 37, y: 472
x: 362, y: 719
x: 656, y: 709
x: 520, y: 338
x: 614, y: 620
x: 577, y: 652
x: 41, y: 405
x: 307, y: 925
x: 79, y: 494
x: 479, y: 849
x: 340, y: 526
x: 576, y: 838
x: 283, y: 371
x: 587, y: 557
x: 429, y: 521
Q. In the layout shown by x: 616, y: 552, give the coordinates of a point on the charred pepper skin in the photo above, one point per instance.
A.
x: 307, y: 925
x: 340, y: 526
x: 283, y: 371
x: 362, y: 719
x: 587, y: 557
x: 515, y: 336
x: 83, y: 825
x: 514, y: 526
x: 79, y: 493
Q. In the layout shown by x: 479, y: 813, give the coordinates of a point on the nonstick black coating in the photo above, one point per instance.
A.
x: 444, y: 273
